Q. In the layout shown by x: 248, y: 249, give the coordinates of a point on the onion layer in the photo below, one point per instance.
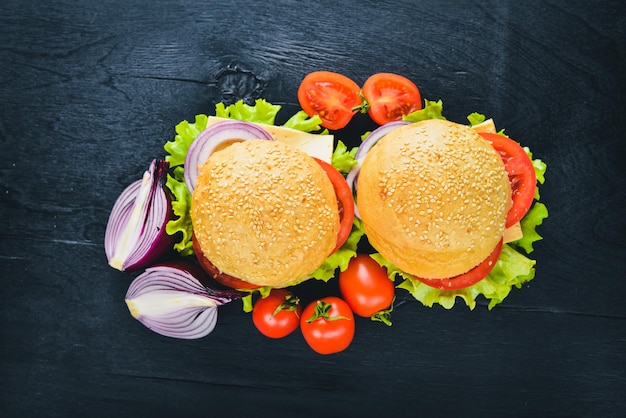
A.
x: 366, y: 145
x: 171, y: 300
x: 135, y: 234
x: 212, y: 139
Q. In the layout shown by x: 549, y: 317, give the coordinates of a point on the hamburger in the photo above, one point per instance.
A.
x: 451, y: 210
x: 433, y: 197
x: 264, y: 213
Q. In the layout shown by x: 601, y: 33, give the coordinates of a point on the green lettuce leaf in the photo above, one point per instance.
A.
x: 261, y: 112
x: 177, y: 149
x: 475, y: 118
x: 302, y: 122
x: 185, y: 134
x: 180, y: 206
x: 511, y: 269
x: 342, y: 159
x: 529, y: 223
x: 431, y: 110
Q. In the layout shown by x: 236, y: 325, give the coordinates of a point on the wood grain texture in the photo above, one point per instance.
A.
x: 89, y: 93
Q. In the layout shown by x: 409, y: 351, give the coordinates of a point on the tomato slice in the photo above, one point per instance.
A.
x: 521, y: 175
x: 467, y: 279
x: 332, y: 96
x: 390, y: 96
x: 345, y: 201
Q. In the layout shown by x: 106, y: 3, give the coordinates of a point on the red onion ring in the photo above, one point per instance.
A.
x: 135, y: 234
x: 366, y: 145
x: 212, y: 138
x: 171, y: 300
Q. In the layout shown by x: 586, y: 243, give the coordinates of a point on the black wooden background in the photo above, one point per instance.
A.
x: 91, y: 90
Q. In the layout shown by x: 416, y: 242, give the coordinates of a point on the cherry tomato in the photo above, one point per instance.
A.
x: 467, y: 279
x: 278, y: 314
x: 366, y: 286
x: 327, y: 325
x: 521, y: 175
x: 345, y: 200
x: 390, y: 96
x: 332, y: 96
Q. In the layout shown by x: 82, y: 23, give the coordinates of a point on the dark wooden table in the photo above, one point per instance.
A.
x: 91, y: 90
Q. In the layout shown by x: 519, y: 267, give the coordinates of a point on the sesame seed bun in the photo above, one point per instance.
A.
x: 433, y: 197
x: 264, y: 212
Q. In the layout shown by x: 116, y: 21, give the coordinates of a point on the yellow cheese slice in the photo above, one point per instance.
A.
x: 512, y: 233
x: 318, y: 146
x: 486, y: 126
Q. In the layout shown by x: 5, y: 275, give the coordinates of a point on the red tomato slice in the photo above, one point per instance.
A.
x: 467, y: 279
x: 332, y: 96
x: 390, y: 96
x: 521, y: 175
x: 345, y: 201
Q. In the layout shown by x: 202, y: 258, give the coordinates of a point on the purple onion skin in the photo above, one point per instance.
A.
x: 171, y: 316
x: 224, y: 131
x: 162, y: 246
x: 212, y: 287
x: 161, y: 249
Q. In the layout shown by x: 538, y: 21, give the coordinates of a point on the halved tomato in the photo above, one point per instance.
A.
x: 390, y: 96
x: 467, y: 279
x: 332, y: 96
x: 521, y: 174
x: 345, y: 200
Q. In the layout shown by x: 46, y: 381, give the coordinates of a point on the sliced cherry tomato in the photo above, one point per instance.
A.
x: 366, y: 286
x: 467, y: 279
x: 345, y: 200
x: 390, y: 96
x: 332, y: 96
x: 278, y: 314
x: 327, y: 325
x: 521, y: 175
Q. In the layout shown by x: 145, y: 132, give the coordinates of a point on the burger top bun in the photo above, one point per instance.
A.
x: 264, y: 212
x: 433, y: 197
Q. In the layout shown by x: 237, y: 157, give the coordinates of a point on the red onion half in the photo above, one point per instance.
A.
x: 171, y: 300
x: 213, y: 138
x: 135, y: 234
x: 366, y: 145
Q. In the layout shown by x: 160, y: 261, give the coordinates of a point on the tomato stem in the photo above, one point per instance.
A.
x: 364, y: 107
x: 290, y: 304
x: 322, y: 311
x: 384, y: 316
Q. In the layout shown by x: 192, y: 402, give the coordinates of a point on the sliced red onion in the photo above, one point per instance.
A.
x: 171, y: 300
x: 135, y: 234
x: 366, y: 145
x: 212, y: 138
